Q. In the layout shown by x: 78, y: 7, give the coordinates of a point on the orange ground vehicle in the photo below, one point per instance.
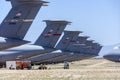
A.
x: 23, y: 64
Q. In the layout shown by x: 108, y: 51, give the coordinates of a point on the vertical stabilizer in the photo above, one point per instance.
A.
x: 89, y: 42
x: 100, y: 47
x: 90, y: 47
x: 51, y: 33
x: 20, y: 17
x: 82, y: 39
x: 80, y: 43
x: 68, y: 38
x: 96, y: 47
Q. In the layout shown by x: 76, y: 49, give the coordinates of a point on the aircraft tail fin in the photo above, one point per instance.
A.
x: 100, y: 47
x: 20, y: 17
x: 97, y: 47
x: 80, y: 42
x: 89, y: 42
x: 51, y: 33
x: 68, y: 38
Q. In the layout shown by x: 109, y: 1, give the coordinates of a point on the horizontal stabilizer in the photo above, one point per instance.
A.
x: 9, y: 43
x: 21, y: 2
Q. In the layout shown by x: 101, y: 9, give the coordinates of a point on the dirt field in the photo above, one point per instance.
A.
x: 91, y: 69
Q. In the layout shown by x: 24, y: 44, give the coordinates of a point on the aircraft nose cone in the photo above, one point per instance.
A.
x: 112, y: 57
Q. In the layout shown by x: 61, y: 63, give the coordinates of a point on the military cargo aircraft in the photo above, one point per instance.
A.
x: 16, y: 24
x: 113, y: 55
x: 18, y: 21
x: 45, y: 42
x: 68, y: 38
x: 69, y: 52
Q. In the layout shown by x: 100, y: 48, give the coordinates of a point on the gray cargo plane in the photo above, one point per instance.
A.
x: 45, y: 42
x: 68, y: 38
x: 114, y: 55
x: 17, y: 22
x: 68, y: 54
x: 91, y: 47
x: 82, y: 51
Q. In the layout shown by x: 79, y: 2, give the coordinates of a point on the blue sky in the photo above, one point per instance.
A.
x: 99, y: 19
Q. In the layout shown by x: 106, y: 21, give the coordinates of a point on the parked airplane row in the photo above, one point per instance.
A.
x: 71, y: 47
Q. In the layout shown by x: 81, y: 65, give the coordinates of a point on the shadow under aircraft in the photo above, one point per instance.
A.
x: 16, y: 24
x: 44, y: 44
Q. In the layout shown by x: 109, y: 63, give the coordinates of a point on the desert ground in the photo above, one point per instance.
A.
x: 90, y: 69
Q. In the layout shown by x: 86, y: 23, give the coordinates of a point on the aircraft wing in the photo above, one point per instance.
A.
x: 6, y: 43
